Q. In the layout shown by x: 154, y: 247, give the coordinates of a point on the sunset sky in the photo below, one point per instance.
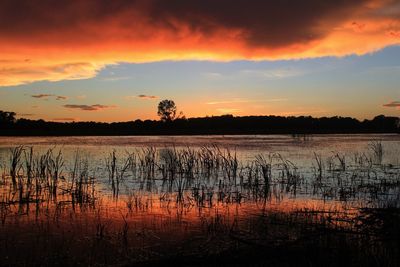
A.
x: 115, y: 60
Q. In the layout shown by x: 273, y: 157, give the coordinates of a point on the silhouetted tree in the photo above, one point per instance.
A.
x: 7, y: 117
x: 167, y: 110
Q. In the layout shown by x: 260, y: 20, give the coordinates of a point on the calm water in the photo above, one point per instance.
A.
x: 297, y: 150
x: 301, y: 151
x: 247, y: 146
x: 171, y: 189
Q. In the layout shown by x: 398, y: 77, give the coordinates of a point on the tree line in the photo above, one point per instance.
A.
x: 226, y: 124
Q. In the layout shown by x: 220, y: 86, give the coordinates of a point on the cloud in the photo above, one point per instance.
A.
x: 25, y: 114
x: 46, y: 96
x: 95, y: 107
x: 395, y: 34
x: 21, y: 72
x: 235, y: 101
x: 303, y: 112
x: 212, y: 75
x: 275, y: 74
x: 358, y: 27
x: 114, y: 79
x: 76, y: 43
x: 229, y: 102
x: 393, y: 104
x: 60, y: 97
x: 41, y: 96
x: 147, y: 96
x: 228, y: 110
x: 65, y: 119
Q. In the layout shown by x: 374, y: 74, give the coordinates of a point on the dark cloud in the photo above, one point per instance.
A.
x: 261, y: 22
x: 60, y: 97
x: 393, y: 104
x: 41, y: 96
x: 95, y: 107
x: 46, y: 96
x: 147, y: 96
x: 63, y: 15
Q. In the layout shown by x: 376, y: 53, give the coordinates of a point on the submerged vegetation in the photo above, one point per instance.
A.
x: 198, y: 206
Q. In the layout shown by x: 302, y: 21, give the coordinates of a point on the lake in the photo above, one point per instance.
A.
x: 148, y: 198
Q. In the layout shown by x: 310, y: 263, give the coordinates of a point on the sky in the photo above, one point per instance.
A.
x: 115, y: 60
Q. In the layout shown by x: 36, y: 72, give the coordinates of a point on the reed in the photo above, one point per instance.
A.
x: 117, y: 171
x: 319, y: 167
x: 54, y: 167
x: 342, y: 161
x: 377, y: 150
x: 29, y: 164
x: 178, y: 200
x: 15, y: 163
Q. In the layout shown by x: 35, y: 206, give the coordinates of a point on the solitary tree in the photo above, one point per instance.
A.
x: 167, y: 110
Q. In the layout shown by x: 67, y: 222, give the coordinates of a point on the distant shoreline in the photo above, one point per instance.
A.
x: 194, y: 134
x: 220, y: 125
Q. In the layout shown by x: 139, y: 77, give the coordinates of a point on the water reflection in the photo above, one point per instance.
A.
x: 154, y: 202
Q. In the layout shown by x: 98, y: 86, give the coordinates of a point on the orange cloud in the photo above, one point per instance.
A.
x: 147, y: 96
x: 25, y: 114
x: 393, y: 104
x: 65, y: 119
x: 75, y: 39
x: 228, y: 110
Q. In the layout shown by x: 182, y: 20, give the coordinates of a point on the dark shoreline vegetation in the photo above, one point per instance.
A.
x: 227, y: 124
x: 198, y: 207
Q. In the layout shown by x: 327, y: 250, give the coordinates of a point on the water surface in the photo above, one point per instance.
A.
x: 148, y: 194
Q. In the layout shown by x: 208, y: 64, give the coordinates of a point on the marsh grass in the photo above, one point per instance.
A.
x: 15, y: 163
x: 178, y: 200
x: 377, y: 150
